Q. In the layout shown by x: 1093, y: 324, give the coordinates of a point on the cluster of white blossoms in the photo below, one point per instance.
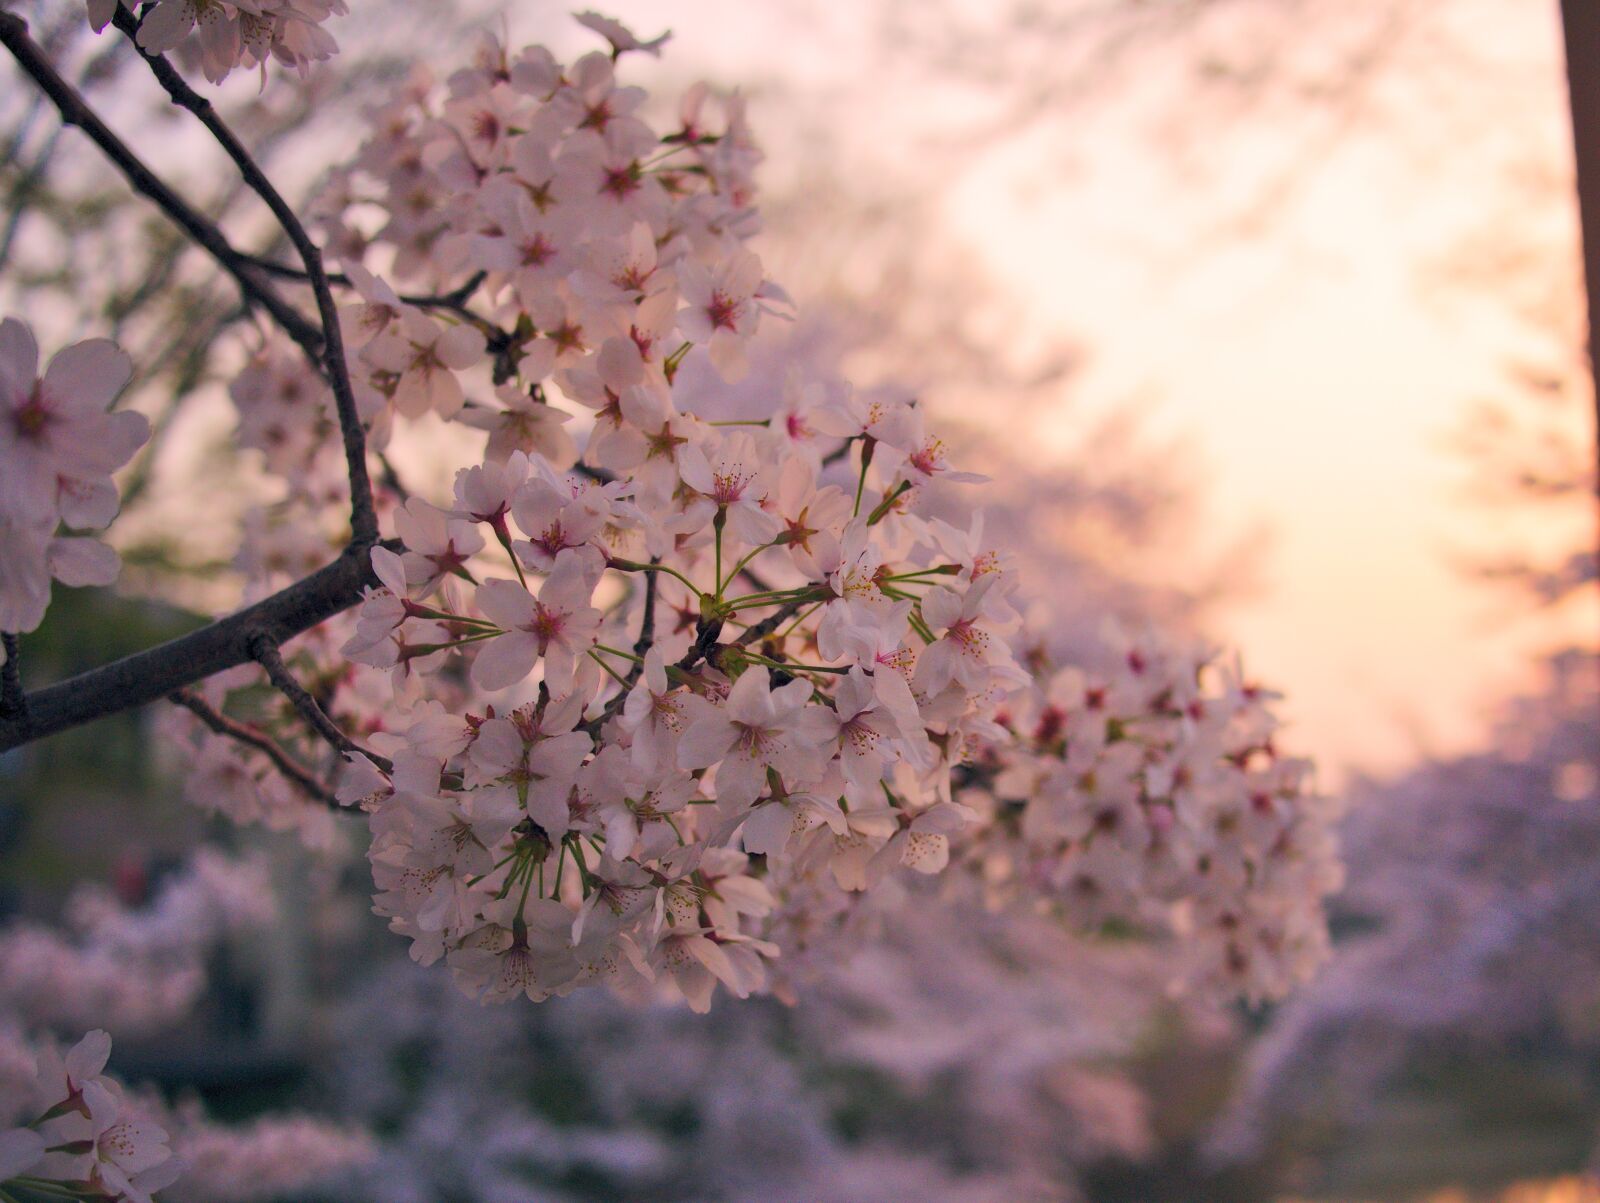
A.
x: 269, y: 1158
x: 662, y: 693
x: 693, y: 665
x: 233, y: 33
x: 58, y: 448
x: 1154, y: 796
x: 657, y: 694
x: 84, y: 1141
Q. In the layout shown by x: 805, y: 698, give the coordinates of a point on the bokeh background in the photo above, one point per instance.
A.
x: 1267, y: 316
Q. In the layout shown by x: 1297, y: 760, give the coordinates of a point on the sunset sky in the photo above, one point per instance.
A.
x: 1270, y: 274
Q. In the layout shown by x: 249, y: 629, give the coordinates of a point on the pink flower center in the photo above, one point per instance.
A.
x: 537, y: 251
x: 547, y: 625
x: 633, y: 277
x: 667, y: 710
x: 486, y: 126
x: 724, y: 311
x: 32, y: 418
x: 621, y: 182
x: 567, y: 336
x: 968, y: 637
x: 929, y: 458
x: 597, y: 116
x: 728, y: 486
x: 752, y: 742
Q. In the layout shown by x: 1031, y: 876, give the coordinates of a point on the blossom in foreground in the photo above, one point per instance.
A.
x: 231, y: 34
x: 660, y: 696
x: 58, y: 448
x: 85, y: 1138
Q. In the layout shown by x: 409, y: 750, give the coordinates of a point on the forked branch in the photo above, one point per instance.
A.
x: 254, y: 737
x: 161, y: 671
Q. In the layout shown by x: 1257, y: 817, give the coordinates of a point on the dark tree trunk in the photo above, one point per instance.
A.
x: 1580, y: 22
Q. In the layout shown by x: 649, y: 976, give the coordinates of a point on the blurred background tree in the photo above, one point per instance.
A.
x: 1452, y: 1044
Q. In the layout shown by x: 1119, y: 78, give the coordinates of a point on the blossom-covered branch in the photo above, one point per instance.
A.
x: 251, y: 737
x: 657, y: 694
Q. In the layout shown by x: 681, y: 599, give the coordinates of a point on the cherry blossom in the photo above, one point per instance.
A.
x: 653, y: 698
x: 58, y: 448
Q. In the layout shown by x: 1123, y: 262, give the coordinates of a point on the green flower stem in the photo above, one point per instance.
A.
x: 861, y: 481
x: 635, y: 566
x: 504, y: 536
x: 594, y: 654
x: 790, y: 667
x: 883, y: 506
x: 739, y: 567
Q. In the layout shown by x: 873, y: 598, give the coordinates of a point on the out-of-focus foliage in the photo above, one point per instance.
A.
x: 1458, y: 1031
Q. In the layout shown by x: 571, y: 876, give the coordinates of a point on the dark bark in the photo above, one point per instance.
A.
x: 151, y: 675
x: 363, y: 517
x: 253, y: 737
x: 1580, y: 23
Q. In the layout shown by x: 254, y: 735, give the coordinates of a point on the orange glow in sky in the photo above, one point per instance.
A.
x: 1316, y: 373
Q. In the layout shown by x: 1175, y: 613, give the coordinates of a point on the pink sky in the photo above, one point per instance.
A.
x: 1317, y: 378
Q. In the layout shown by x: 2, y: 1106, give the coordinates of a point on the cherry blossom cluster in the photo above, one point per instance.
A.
x: 233, y: 33
x: 138, y: 969
x: 58, y: 448
x: 662, y: 691
x: 590, y: 231
x: 270, y: 1158
x: 807, y: 668
x: 657, y: 693
x: 84, y: 1139
x: 1472, y: 891
x: 1154, y: 795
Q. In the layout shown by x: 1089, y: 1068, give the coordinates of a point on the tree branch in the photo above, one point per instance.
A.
x: 75, y: 112
x: 1580, y: 23
x: 258, y: 739
x: 265, y: 651
x: 647, y: 624
x: 153, y: 674
x: 773, y: 621
x: 363, y: 517
x: 159, y: 672
x: 454, y: 299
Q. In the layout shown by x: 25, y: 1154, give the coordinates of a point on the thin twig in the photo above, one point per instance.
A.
x: 76, y: 112
x: 772, y: 621
x: 266, y: 653
x: 363, y: 516
x: 23, y: 193
x: 453, y: 299
x: 641, y: 645
x: 391, y: 479
x: 647, y: 624
x: 256, y: 738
